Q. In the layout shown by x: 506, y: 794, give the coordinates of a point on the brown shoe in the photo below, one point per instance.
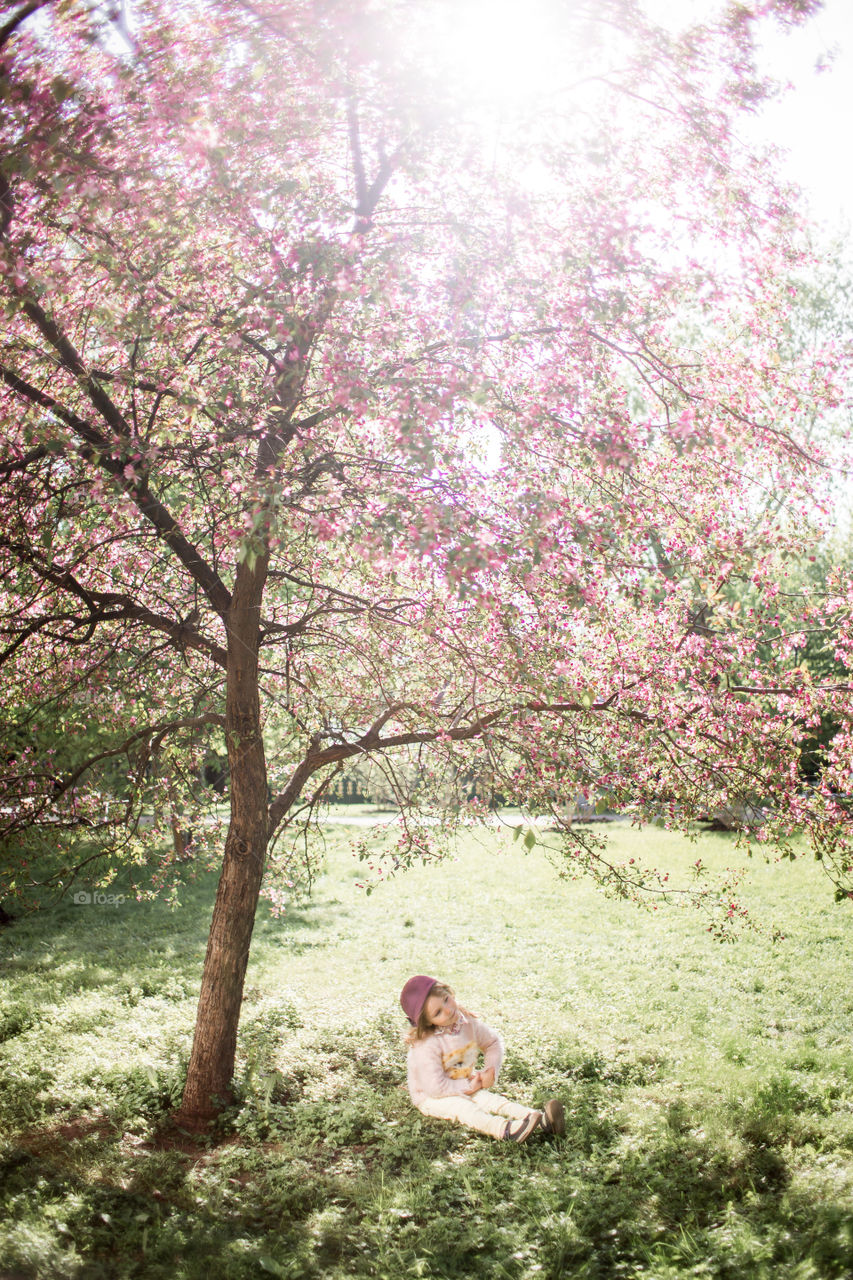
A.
x: 520, y: 1130
x: 554, y: 1119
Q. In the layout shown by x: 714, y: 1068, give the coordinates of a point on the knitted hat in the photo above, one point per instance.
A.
x: 414, y: 996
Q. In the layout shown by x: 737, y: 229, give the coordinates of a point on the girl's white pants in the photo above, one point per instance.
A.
x: 484, y: 1111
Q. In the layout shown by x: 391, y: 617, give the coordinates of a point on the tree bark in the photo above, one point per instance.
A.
x: 211, y: 1065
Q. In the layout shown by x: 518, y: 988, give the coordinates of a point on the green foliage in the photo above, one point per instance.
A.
x: 15, y: 1017
x: 707, y: 1089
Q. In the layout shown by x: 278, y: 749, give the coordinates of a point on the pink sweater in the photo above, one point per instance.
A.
x: 441, y: 1064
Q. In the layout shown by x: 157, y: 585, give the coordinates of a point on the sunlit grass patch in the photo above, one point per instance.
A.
x: 707, y: 1087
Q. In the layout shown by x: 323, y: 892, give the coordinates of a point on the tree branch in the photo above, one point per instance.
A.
x: 96, y: 450
x: 105, y: 607
x: 160, y: 731
x: 8, y: 28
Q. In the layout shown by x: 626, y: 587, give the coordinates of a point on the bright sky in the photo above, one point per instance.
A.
x: 812, y: 121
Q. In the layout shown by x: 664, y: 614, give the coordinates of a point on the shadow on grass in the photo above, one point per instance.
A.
x: 68, y: 947
x: 322, y: 1170
x: 126, y: 973
x: 354, y: 1183
x: 116, y: 1215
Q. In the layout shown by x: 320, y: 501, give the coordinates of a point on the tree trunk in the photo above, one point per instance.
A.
x: 211, y: 1064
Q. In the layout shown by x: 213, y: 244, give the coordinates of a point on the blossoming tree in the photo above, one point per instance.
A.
x: 363, y: 406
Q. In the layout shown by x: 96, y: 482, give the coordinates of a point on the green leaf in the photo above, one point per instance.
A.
x: 61, y: 88
x: 270, y: 1265
x: 530, y: 840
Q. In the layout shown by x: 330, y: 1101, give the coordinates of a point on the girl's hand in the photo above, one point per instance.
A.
x: 481, y: 1080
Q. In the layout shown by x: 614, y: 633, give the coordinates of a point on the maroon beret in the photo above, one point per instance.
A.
x: 414, y: 996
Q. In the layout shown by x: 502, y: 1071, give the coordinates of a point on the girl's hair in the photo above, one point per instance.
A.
x: 423, y: 1027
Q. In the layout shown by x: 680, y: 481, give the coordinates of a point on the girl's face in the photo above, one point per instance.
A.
x: 441, y: 1010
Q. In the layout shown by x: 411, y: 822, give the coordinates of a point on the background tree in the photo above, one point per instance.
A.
x: 360, y: 410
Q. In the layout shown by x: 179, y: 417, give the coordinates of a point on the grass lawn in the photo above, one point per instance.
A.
x: 708, y: 1087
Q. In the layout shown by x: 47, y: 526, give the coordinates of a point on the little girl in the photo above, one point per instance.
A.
x: 444, y: 1044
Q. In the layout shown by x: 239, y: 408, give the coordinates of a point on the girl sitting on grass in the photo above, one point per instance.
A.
x: 444, y: 1044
